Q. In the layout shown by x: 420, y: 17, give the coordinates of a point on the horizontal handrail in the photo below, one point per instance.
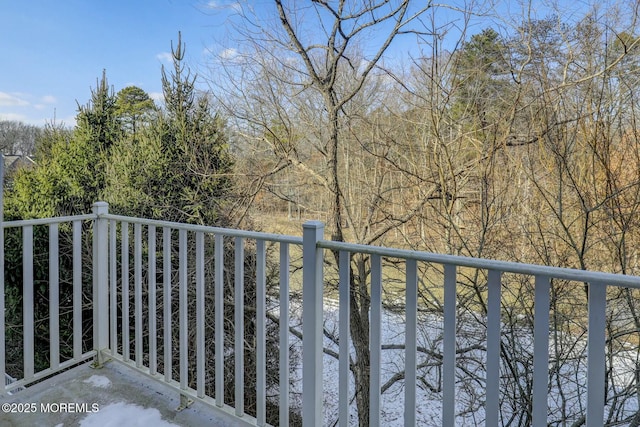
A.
x: 47, y: 221
x: 280, y: 238
x: 489, y: 264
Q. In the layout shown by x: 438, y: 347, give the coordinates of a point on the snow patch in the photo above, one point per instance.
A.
x: 125, y: 414
x: 98, y: 381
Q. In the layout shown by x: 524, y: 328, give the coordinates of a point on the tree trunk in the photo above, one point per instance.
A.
x: 359, y: 300
x: 360, y: 303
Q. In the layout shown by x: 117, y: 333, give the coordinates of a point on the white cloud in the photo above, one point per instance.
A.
x: 49, y: 99
x: 8, y: 100
x: 13, y: 117
x: 69, y: 121
x: 165, y: 57
x: 229, y: 53
x: 221, y: 5
x: 36, y: 121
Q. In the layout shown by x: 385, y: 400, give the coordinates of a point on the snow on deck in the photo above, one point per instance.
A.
x: 114, y: 395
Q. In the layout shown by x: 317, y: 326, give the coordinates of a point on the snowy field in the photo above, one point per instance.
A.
x: 429, y: 408
x: 567, y: 385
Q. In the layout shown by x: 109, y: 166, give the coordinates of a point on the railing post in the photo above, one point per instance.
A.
x: 596, y: 354
x: 100, y: 282
x: 312, y: 291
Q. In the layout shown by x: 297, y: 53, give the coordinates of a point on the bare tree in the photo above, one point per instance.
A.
x: 304, y: 81
x: 513, y: 142
x: 18, y: 137
x: 528, y: 129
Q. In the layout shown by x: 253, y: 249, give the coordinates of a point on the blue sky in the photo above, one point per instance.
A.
x: 53, y: 51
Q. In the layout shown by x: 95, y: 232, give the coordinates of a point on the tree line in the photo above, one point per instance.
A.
x: 507, y: 133
x: 502, y: 135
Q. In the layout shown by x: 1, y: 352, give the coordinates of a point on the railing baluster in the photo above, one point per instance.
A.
x: 261, y: 315
x: 54, y: 297
x: 284, y: 335
x: 541, y: 351
x: 77, y: 290
x: 219, y: 318
x: 182, y: 308
x: 345, y: 321
x: 449, y: 348
x: 312, y: 313
x: 239, y: 326
x: 100, y: 281
x: 375, y: 338
x: 596, y: 361
x: 137, y: 286
x: 492, y: 404
x: 124, y: 271
x: 166, y: 301
x: 200, y: 358
x: 411, y: 347
x: 113, y: 287
x: 153, y: 338
x: 27, y: 300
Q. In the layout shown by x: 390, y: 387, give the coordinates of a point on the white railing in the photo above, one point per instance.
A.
x: 598, y: 282
x: 27, y: 374
x: 8, y: 379
x: 148, y: 276
x: 196, y: 246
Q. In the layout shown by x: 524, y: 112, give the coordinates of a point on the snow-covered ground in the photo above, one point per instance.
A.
x: 429, y: 408
x: 567, y: 388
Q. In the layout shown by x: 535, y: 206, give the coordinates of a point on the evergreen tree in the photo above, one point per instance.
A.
x: 98, y: 121
x: 67, y: 179
x: 179, y: 167
x: 71, y: 168
x: 134, y: 108
x: 480, y: 80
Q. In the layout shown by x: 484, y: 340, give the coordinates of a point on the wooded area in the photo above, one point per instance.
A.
x: 507, y: 132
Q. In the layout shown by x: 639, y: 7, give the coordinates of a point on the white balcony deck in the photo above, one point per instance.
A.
x: 111, y: 395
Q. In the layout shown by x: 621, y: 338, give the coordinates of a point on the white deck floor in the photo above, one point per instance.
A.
x: 114, y: 395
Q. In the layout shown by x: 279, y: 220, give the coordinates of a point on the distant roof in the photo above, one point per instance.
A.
x: 15, y: 161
